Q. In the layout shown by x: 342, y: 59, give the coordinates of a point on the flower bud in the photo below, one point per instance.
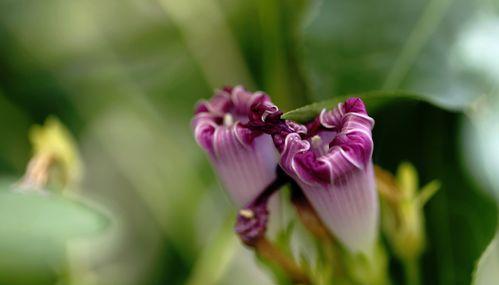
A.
x: 332, y: 163
x: 245, y: 159
x: 252, y: 222
x: 402, y: 208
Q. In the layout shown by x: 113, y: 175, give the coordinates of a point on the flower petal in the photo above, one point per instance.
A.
x: 336, y: 172
x: 245, y: 159
x: 349, y: 208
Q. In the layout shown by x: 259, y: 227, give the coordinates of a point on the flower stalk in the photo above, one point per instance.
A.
x: 274, y: 254
x: 368, y: 269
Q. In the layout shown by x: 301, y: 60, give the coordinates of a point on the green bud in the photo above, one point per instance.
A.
x: 55, y: 158
x: 402, y: 209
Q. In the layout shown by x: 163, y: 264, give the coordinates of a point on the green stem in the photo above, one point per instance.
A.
x: 272, y: 253
x: 412, y: 272
x: 369, y: 268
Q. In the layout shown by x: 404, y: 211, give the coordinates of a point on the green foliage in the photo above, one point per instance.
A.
x: 213, y: 262
x: 422, y: 46
x: 35, y: 230
x: 486, y: 268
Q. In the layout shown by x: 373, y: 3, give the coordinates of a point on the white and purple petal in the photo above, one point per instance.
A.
x: 245, y: 159
x: 244, y: 168
x: 333, y: 166
x: 349, y: 208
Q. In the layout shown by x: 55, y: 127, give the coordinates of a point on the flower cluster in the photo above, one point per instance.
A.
x: 329, y: 158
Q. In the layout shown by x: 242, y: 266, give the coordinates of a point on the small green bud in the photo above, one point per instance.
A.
x: 403, y: 222
x: 55, y: 157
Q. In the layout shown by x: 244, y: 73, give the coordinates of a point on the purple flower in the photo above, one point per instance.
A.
x: 244, y: 158
x: 332, y: 163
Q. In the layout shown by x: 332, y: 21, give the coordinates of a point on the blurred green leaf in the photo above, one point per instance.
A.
x: 14, y: 147
x: 422, y: 46
x: 214, y: 261
x: 33, y: 234
x: 486, y: 269
x: 47, y: 217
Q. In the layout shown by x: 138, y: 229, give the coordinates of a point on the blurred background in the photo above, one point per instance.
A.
x: 123, y: 77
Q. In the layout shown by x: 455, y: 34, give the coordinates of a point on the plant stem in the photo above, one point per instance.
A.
x: 271, y: 252
x: 412, y: 272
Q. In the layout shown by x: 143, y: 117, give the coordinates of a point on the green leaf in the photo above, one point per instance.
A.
x: 373, y: 100
x: 486, y: 269
x: 33, y: 234
x: 428, y: 47
x: 215, y: 259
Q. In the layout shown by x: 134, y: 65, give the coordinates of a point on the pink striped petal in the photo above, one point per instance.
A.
x: 245, y: 159
x: 333, y: 166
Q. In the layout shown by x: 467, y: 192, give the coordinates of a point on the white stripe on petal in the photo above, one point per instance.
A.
x: 245, y: 171
x: 349, y: 208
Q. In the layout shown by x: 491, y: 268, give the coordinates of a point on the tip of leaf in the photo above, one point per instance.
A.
x: 373, y: 101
